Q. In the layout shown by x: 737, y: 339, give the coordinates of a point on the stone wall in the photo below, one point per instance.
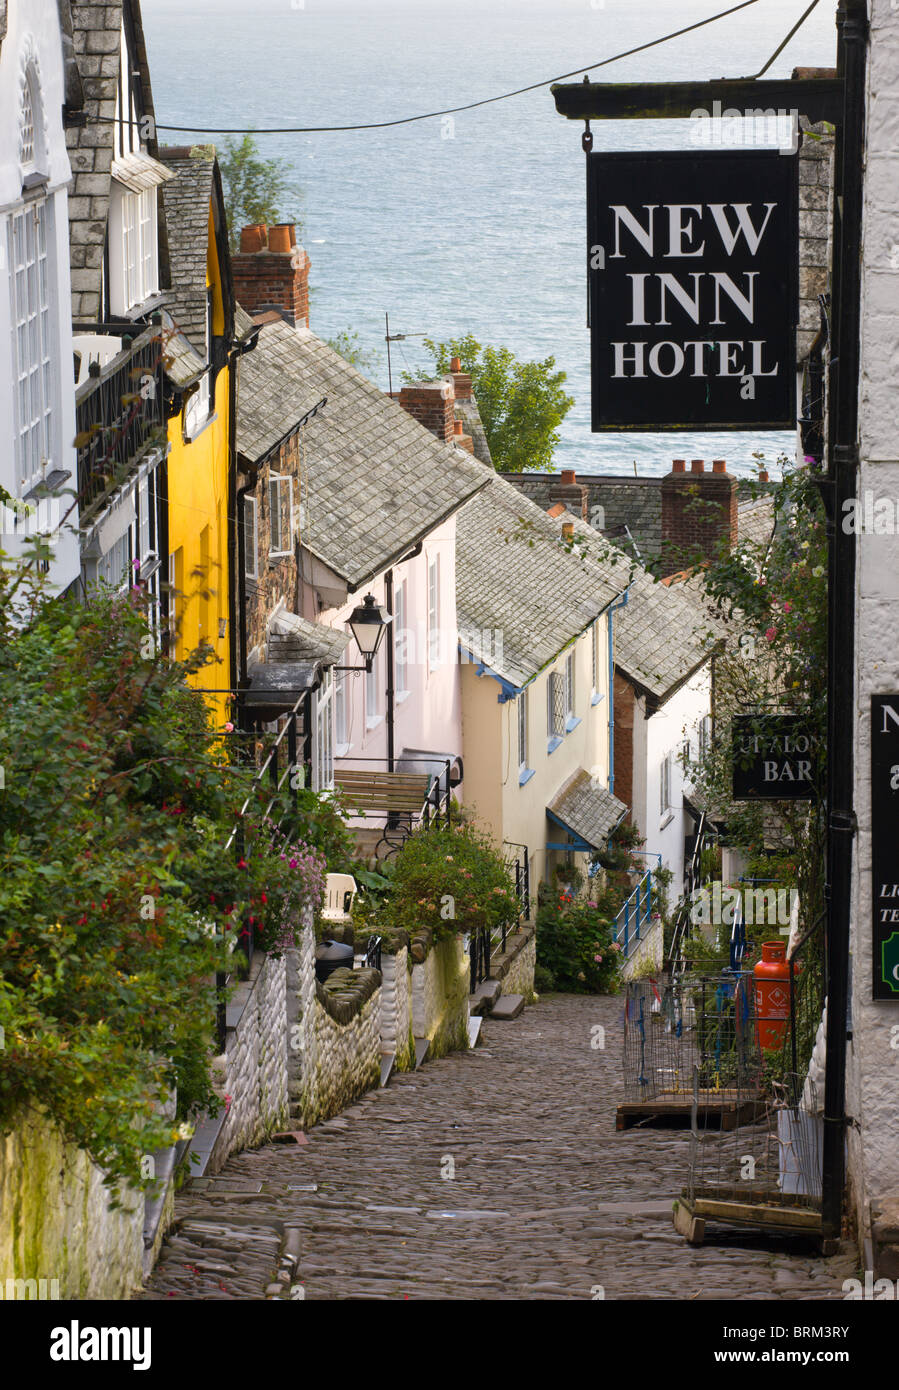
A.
x: 514, y: 967
x: 648, y: 954
x: 440, y: 986
x: 57, y: 1222
x: 397, y: 1038
x: 251, y: 1074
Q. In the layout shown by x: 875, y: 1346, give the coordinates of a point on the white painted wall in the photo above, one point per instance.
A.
x: 873, y: 1071
x: 655, y: 738
x: 34, y: 35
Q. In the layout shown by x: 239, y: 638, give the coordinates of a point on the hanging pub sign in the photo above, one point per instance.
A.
x: 885, y: 843
x: 773, y: 758
x: 693, y: 289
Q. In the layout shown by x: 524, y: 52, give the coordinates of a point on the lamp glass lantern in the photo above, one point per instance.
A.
x: 368, y: 623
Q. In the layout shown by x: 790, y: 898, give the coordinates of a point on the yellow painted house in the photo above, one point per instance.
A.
x: 199, y: 314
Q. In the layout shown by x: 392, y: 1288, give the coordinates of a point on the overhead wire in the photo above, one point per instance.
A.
x: 468, y: 106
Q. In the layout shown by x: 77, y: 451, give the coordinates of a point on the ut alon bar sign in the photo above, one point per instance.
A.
x: 693, y: 274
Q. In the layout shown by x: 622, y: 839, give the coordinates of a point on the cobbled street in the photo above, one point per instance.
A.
x: 547, y: 1201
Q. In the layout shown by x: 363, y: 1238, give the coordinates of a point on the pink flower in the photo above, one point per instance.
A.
x: 788, y: 607
x: 598, y: 959
x: 229, y: 727
x: 771, y: 633
x: 616, y: 946
x: 591, y: 904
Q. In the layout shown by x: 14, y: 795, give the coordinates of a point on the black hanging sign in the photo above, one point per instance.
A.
x: 885, y: 843
x: 773, y: 758
x: 693, y: 288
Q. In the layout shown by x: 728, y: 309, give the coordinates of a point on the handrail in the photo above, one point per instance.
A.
x: 644, y: 887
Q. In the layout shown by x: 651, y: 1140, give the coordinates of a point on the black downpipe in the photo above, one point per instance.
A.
x: 852, y: 28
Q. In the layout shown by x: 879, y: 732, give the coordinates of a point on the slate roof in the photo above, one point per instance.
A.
x: 587, y: 811
x: 662, y: 634
x: 755, y: 520
x: 378, y: 480
x: 96, y: 25
x: 184, y: 365
x: 515, y: 578
x: 292, y: 638
x: 186, y: 199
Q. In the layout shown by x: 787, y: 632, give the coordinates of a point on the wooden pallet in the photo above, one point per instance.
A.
x: 724, y: 1109
x: 770, y: 1211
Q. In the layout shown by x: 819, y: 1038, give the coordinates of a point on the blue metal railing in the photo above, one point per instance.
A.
x: 634, y: 914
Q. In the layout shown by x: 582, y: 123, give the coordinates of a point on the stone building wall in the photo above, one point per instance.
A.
x: 251, y: 1074
x: 57, y: 1225
x: 440, y: 986
x: 396, y: 1009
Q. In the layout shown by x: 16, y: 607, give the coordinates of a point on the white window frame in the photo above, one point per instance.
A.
x: 35, y: 369
x: 324, y: 734
x: 554, y: 735
x: 373, y: 693
x: 401, y: 641
x: 523, y: 731
x: 134, y: 247
x: 570, y: 693
x: 276, y: 489
x: 665, y: 785
x: 434, y: 612
x: 341, y: 714
x: 250, y: 533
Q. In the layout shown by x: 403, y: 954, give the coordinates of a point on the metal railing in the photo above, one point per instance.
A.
x: 636, y: 911
x: 691, y: 882
x: 479, y: 956
x: 519, y: 863
x: 119, y: 417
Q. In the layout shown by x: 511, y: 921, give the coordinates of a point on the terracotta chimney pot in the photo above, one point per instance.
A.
x: 697, y: 466
x: 763, y: 475
x: 252, y: 239
x: 456, y: 365
x: 567, y: 530
x: 568, y: 477
x: 719, y: 465
x: 457, y: 427
x: 279, y: 237
x: 679, y: 466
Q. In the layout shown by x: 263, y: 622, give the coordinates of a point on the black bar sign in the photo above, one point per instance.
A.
x: 773, y: 758
x: 885, y: 843
x: 693, y: 290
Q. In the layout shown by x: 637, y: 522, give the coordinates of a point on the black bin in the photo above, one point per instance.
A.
x: 329, y: 956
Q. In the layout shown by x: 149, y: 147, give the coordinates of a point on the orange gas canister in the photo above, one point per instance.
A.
x: 772, y: 995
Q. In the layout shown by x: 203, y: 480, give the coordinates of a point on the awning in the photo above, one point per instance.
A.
x: 588, y: 812
x: 276, y: 686
x: 139, y: 171
x: 295, y: 639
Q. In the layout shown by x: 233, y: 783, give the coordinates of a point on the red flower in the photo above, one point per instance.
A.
x: 241, y: 863
x: 264, y: 898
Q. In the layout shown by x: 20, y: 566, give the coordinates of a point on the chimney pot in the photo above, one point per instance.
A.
x: 457, y: 427
x: 697, y: 465
x: 279, y: 238
x: 719, y: 465
x: 456, y: 365
x: 763, y: 475
x: 567, y: 530
x: 679, y: 466
x: 568, y: 477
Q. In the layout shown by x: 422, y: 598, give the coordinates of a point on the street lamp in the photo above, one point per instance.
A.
x: 368, y: 623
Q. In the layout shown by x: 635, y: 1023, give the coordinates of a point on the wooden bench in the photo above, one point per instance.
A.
x: 382, y: 793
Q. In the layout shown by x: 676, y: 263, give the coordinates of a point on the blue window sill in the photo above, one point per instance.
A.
x: 525, y: 775
x: 571, y: 723
x: 596, y: 698
x: 553, y: 744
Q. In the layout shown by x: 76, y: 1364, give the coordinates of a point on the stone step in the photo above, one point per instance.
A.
x: 509, y: 1006
x: 421, y: 1050
x: 388, y: 1062
x: 490, y: 990
x: 474, y: 1031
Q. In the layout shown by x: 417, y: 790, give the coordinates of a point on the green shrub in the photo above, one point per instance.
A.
x: 447, y: 879
x: 544, y: 980
x: 575, y: 945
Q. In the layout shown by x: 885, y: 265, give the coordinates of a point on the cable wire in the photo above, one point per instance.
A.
x: 453, y: 110
x: 777, y: 52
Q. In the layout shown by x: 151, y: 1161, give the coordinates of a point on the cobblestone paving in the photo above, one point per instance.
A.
x: 547, y: 1200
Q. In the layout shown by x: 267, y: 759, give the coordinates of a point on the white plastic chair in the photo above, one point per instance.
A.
x: 340, y: 890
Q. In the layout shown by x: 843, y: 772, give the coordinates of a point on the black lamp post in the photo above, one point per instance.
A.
x: 368, y: 623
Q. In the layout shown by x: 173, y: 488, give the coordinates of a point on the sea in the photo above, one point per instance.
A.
x: 474, y: 223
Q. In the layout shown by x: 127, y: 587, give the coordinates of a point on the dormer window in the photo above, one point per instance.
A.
x: 133, y: 249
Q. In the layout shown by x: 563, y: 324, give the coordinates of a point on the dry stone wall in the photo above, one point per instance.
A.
x: 440, y: 986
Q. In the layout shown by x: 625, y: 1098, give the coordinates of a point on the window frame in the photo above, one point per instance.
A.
x: 555, y: 728
x: 278, y: 479
x: 434, y: 611
x: 35, y: 379
x: 253, y: 503
x: 324, y: 734
x: 400, y: 641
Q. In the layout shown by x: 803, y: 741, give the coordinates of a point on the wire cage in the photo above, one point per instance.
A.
x: 691, y: 1041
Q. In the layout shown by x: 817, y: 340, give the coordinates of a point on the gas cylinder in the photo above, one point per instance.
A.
x: 772, y: 995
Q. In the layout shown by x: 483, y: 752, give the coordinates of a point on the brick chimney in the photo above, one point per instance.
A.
x: 272, y: 273
x: 432, y: 404
x: 699, y: 510
x: 572, y: 494
x: 461, y: 380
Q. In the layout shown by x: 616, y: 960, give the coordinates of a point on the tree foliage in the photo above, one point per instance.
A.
x: 522, y: 404
x: 255, y: 189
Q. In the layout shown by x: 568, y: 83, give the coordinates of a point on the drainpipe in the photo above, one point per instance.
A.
x: 839, y: 485
x: 620, y: 604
